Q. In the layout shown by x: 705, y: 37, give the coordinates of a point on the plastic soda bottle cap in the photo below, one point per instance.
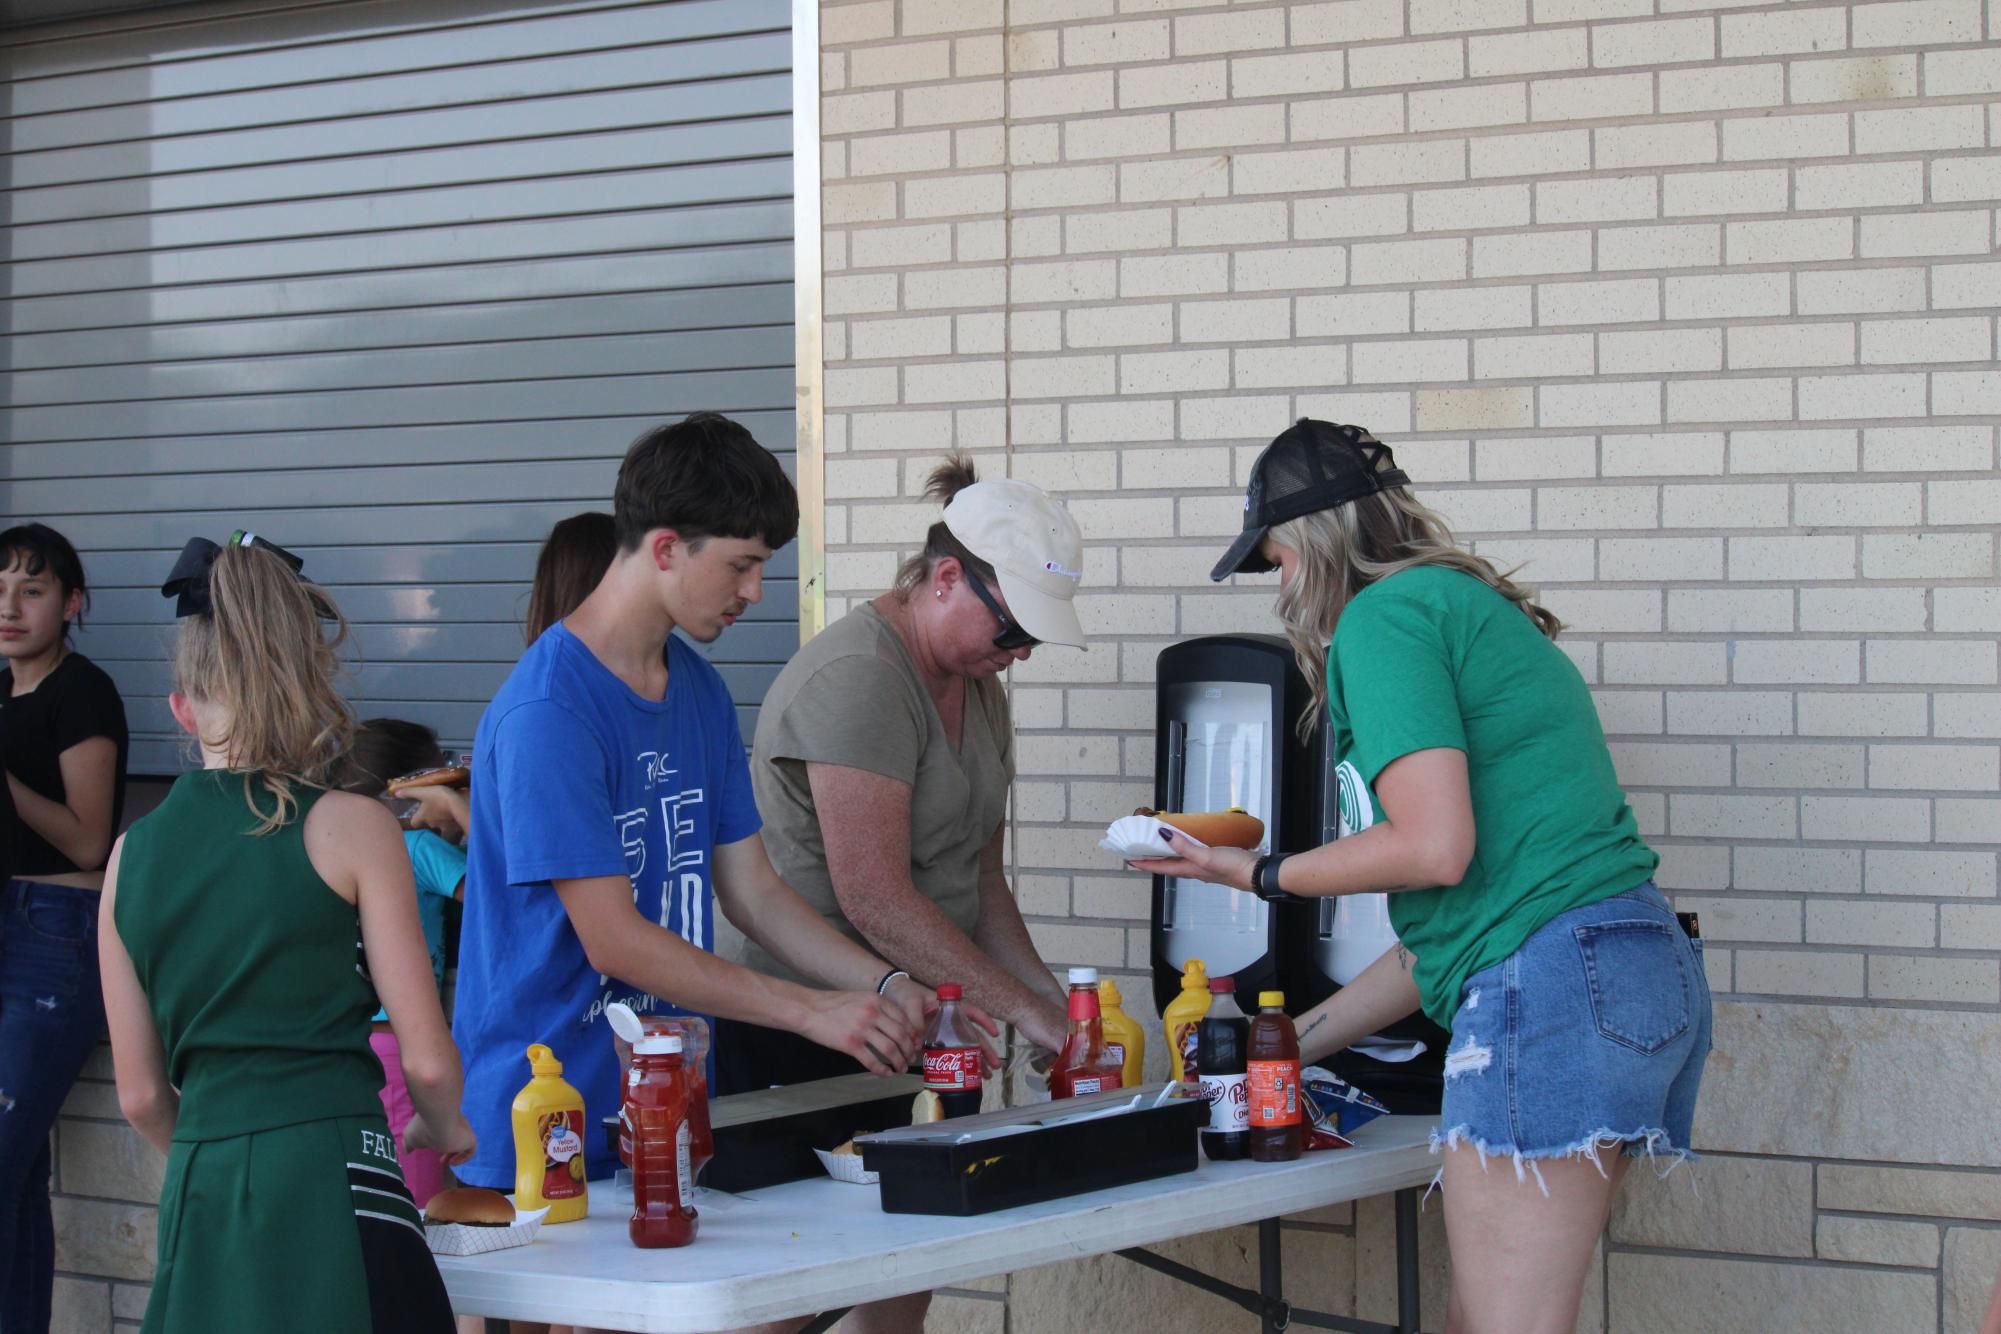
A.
x: 951, y: 991
x: 1219, y: 985
x: 1083, y: 977
x: 664, y: 1044
x: 1271, y: 999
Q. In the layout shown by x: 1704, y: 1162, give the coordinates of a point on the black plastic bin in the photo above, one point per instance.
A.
x: 924, y: 1172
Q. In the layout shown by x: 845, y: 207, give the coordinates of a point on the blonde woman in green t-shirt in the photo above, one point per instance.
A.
x: 1520, y: 887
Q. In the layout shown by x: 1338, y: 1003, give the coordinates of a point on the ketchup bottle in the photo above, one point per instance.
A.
x: 694, y: 1034
x: 1084, y: 1065
x: 1278, y: 1134
x: 953, y: 1055
x: 656, y: 1107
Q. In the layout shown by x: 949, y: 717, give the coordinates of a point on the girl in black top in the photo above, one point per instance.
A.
x: 62, y: 732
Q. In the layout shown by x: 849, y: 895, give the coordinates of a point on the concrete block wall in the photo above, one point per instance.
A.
x: 1685, y: 306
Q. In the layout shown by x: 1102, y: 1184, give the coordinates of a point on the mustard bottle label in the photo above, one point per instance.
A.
x: 562, y: 1135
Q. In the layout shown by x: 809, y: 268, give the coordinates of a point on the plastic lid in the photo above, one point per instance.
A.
x: 1195, y: 976
x: 1108, y: 992
x: 1083, y: 977
x: 1271, y: 999
x: 664, y: 1044
x: 543, y: 1061
x: 1222, y: 985
x: 951, y: 991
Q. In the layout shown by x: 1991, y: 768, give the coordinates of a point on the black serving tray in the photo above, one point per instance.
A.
x: 767, y: 1136
x: 1015, y: 1158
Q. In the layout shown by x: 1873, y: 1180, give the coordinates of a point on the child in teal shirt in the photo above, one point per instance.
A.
x: 385, y: 748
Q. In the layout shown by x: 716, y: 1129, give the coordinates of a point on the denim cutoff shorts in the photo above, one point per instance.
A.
x: 1593, y: 1033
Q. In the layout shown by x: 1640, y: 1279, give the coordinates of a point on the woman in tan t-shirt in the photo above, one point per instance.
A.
x: 882, y: 761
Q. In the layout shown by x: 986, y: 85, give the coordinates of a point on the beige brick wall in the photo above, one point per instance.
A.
x: 1686, y: 305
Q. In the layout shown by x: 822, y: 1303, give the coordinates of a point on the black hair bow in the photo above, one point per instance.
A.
x: 188, y: 580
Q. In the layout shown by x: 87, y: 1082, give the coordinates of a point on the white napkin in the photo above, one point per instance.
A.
x: 1133, y: 837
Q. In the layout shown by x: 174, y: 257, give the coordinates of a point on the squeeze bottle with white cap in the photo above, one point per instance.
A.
x: 549, y: 1142
x: 1084, y: 1066
x: 655, y: 1105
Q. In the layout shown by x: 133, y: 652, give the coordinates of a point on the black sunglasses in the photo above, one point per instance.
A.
x: 1011, y: 636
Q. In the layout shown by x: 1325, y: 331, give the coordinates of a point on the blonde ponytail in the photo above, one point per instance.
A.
x: 264, y: 657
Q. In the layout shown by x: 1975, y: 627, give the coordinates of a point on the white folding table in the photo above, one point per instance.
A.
x: 819, y: 1247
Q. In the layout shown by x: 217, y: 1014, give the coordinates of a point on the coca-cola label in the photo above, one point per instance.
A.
x: 950, y: 1069
x: 1229, y: 1102
x: 683, y: 1175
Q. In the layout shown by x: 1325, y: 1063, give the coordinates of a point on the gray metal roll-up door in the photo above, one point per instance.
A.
x: 394, y: 283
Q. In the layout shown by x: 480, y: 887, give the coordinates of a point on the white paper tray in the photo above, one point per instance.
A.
x: 459, y: 1239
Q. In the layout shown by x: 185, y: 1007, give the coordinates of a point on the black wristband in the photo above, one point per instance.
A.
x: 1264, y: 878
x: 888, y: 978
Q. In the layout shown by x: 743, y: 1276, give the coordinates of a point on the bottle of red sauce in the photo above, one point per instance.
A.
x: 694, y: 1035
x: 1084, y: 1065
x: 953, y: 1055
x: 656, y: 1108
x: 1278, y: 1132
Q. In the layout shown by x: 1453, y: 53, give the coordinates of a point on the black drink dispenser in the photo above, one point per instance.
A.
x: 1226, y: 714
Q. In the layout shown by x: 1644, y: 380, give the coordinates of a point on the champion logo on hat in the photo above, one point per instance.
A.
x: 1067, y: 574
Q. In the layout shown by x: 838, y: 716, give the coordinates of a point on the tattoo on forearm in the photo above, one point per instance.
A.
x: 1318, y: 1020
x: 1403, y: 958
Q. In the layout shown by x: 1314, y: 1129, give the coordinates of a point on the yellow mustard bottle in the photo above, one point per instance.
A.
x: 549, y: 1142
x: 1123, y: 1035
x: 1181, y: 1016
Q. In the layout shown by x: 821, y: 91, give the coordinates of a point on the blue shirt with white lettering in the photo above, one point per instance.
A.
x: 576, y: 775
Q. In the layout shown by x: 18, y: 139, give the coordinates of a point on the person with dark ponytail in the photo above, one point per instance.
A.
x: 63, y: 735
x: 238, y: 1002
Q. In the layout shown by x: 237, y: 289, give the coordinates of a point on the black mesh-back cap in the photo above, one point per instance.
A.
x: 1311, y: 465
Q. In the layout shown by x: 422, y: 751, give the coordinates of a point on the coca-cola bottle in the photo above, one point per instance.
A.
x: 953, y: 1055
x: 1222, y: 1042
x: 1084, y: 1065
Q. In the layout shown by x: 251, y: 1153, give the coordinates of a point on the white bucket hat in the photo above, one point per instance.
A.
x: 1035, y: 548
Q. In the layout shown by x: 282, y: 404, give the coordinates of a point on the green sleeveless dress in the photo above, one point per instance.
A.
x: 283, y: 1204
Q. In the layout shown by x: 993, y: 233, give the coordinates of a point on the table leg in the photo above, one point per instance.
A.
x: 1271, y: 1277
x: 1407, y: 1295
x: 826, y: 1320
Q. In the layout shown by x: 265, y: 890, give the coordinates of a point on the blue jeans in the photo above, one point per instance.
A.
x: 51, y: 1016
x: 1593, y: 1033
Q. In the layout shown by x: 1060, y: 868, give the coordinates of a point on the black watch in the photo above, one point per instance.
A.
x: 1264, y: 879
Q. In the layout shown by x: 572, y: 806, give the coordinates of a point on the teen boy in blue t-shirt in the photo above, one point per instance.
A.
x: 612, y: 813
